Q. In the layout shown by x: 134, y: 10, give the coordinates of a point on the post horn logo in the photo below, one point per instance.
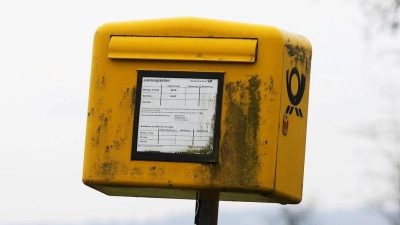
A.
x: 295, y: 99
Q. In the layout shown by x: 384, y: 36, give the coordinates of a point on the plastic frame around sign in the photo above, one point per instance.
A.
x: 178, y: 157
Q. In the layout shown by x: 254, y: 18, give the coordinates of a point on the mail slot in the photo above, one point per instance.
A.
x: 183, y: 49
x: 186, y: 104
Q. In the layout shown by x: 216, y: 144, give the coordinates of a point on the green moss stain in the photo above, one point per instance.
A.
x: 299, y: 55
x: 133, y: 98
x: 239, y: 148
x: 156, y: 173
x: 136, y: 171
x: 128, y: 95
x: 100, y: 81
x: 126, y: 104
x: 108, y: 169
x: 270, y: 89
x: 206, y: 150
x: 91, y: 112
x: 253, y: 118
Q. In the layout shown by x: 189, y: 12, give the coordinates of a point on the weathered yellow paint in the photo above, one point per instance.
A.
x: 256, y: 162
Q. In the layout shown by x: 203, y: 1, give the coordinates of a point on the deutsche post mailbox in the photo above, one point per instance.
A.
x: 186, y: 104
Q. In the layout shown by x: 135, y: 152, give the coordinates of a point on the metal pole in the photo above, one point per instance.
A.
x: 207, y: 203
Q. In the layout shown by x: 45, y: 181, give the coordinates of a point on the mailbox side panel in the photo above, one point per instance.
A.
x: 293, y: 117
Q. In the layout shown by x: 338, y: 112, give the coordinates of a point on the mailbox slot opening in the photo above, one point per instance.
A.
x: 183, y: 49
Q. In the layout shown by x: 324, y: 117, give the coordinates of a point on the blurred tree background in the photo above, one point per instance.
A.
x: 382, y: 19
x: 381, y: 16
x: 294, y: 215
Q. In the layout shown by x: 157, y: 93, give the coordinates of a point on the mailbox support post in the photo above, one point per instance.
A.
x: 207, y: 202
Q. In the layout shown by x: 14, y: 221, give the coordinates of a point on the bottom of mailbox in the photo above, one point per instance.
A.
x: 225, y: 195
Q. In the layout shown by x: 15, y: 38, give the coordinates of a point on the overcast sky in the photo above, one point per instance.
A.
x: 45, y: 60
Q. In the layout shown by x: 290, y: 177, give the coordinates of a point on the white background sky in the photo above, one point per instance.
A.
x: 45, y: 60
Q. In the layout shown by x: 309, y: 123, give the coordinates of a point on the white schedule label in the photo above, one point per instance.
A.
x: 177, y: 115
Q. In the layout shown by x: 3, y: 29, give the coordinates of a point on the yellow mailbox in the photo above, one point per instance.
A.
x: 186, y: 104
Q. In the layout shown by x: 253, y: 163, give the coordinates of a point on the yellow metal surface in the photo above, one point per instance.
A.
x: 184, y: 49
x: 257, y: 162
